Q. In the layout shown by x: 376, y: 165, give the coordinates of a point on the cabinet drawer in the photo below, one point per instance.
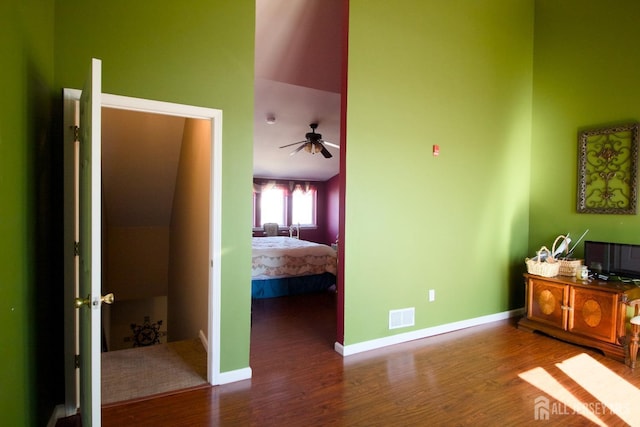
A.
x: 546, y: 301
x: 594, y: 313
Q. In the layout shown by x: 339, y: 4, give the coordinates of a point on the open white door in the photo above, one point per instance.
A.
x: 90, y: 243
x: 90, y: 300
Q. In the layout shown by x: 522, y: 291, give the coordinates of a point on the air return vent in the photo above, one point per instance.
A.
x: 402, y: 318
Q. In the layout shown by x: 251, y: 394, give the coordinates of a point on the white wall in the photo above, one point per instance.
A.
x: 137, y: 261
x: 189, y: 236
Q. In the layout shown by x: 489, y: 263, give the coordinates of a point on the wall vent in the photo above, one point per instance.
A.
x: 402, y: 318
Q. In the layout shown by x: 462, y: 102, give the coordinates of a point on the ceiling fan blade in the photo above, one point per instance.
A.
x: 330, y: 144
x: 325, y: 152
x: 293, y: 143
x: 297, y: 149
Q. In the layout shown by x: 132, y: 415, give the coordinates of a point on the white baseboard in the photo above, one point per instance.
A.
x: 225, y: 377
x: 233, y: 376
x: 360, y: 347
x: 204, y: 340
x: 58, y: 413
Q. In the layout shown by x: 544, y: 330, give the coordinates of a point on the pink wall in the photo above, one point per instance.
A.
x: 332, y: 209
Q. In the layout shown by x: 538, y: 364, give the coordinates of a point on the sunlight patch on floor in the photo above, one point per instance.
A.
x: 543, y: 380
x: 612, y: 394
x: 616, y: 393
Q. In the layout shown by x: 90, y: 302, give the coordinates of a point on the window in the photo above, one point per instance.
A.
x: 303, y: 204
x: 272, y: 206
x: 287, y: 203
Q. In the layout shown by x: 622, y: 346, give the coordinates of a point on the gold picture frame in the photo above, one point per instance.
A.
x: 608, y: 170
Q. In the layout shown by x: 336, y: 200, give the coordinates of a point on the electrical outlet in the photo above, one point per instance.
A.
x: 432, y: 295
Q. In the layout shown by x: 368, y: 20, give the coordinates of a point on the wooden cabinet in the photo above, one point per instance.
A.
x: 546, y: 302
x: 592, y: 313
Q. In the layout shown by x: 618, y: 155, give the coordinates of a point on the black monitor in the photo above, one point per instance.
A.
x: 613, y: 259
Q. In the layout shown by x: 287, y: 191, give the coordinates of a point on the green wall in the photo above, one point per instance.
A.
x: 585, y: 75
x: 197, y: 53
x: 462, y: 74
x: 29, y: 305
x: 457, y: 74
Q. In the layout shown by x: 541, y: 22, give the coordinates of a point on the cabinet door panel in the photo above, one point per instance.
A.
x: 545, y: 302
x: 594, y: 313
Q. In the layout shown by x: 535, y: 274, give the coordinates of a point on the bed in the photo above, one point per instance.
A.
x: 289, y: 266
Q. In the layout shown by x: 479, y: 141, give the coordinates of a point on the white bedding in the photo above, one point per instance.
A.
x: 277, y: 257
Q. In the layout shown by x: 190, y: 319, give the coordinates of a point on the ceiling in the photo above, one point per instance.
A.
x: 140, y: 154
x: 298, y: 69
x: 297, y: 80
x: 295, y: 108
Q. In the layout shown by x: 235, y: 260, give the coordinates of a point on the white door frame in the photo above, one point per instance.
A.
x: 70, y: 99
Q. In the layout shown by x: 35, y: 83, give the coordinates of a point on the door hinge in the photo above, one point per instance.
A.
x: 77, y: 361
x: 76, y: 248
x: 76, y: 134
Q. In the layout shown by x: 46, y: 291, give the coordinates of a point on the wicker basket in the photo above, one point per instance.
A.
x: 568, y: 266
x: 547, y: 268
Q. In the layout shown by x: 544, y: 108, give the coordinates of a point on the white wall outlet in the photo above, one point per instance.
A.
x: 432, y: 295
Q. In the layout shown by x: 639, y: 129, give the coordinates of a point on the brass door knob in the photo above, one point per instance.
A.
x: 79, y: 302
x: 106, y: 299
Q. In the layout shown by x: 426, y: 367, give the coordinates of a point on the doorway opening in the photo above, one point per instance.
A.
x: 155, y: 228
x: 161, y: 184
x: 300, y: 79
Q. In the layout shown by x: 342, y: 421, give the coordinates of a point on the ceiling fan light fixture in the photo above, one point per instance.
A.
x: 313, y: 147
x: 313, y: 143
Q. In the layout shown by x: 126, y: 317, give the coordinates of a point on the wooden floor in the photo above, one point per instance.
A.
x: 468, y: 377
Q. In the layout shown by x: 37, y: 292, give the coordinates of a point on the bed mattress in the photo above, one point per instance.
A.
x: 280, y: 256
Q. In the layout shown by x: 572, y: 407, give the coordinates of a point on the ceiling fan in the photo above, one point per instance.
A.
x: 313, y: 143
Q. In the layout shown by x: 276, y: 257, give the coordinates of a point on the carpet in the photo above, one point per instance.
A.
x: 145, y: 371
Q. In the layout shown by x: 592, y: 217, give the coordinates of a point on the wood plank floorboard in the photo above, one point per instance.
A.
x: 462, y: 378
